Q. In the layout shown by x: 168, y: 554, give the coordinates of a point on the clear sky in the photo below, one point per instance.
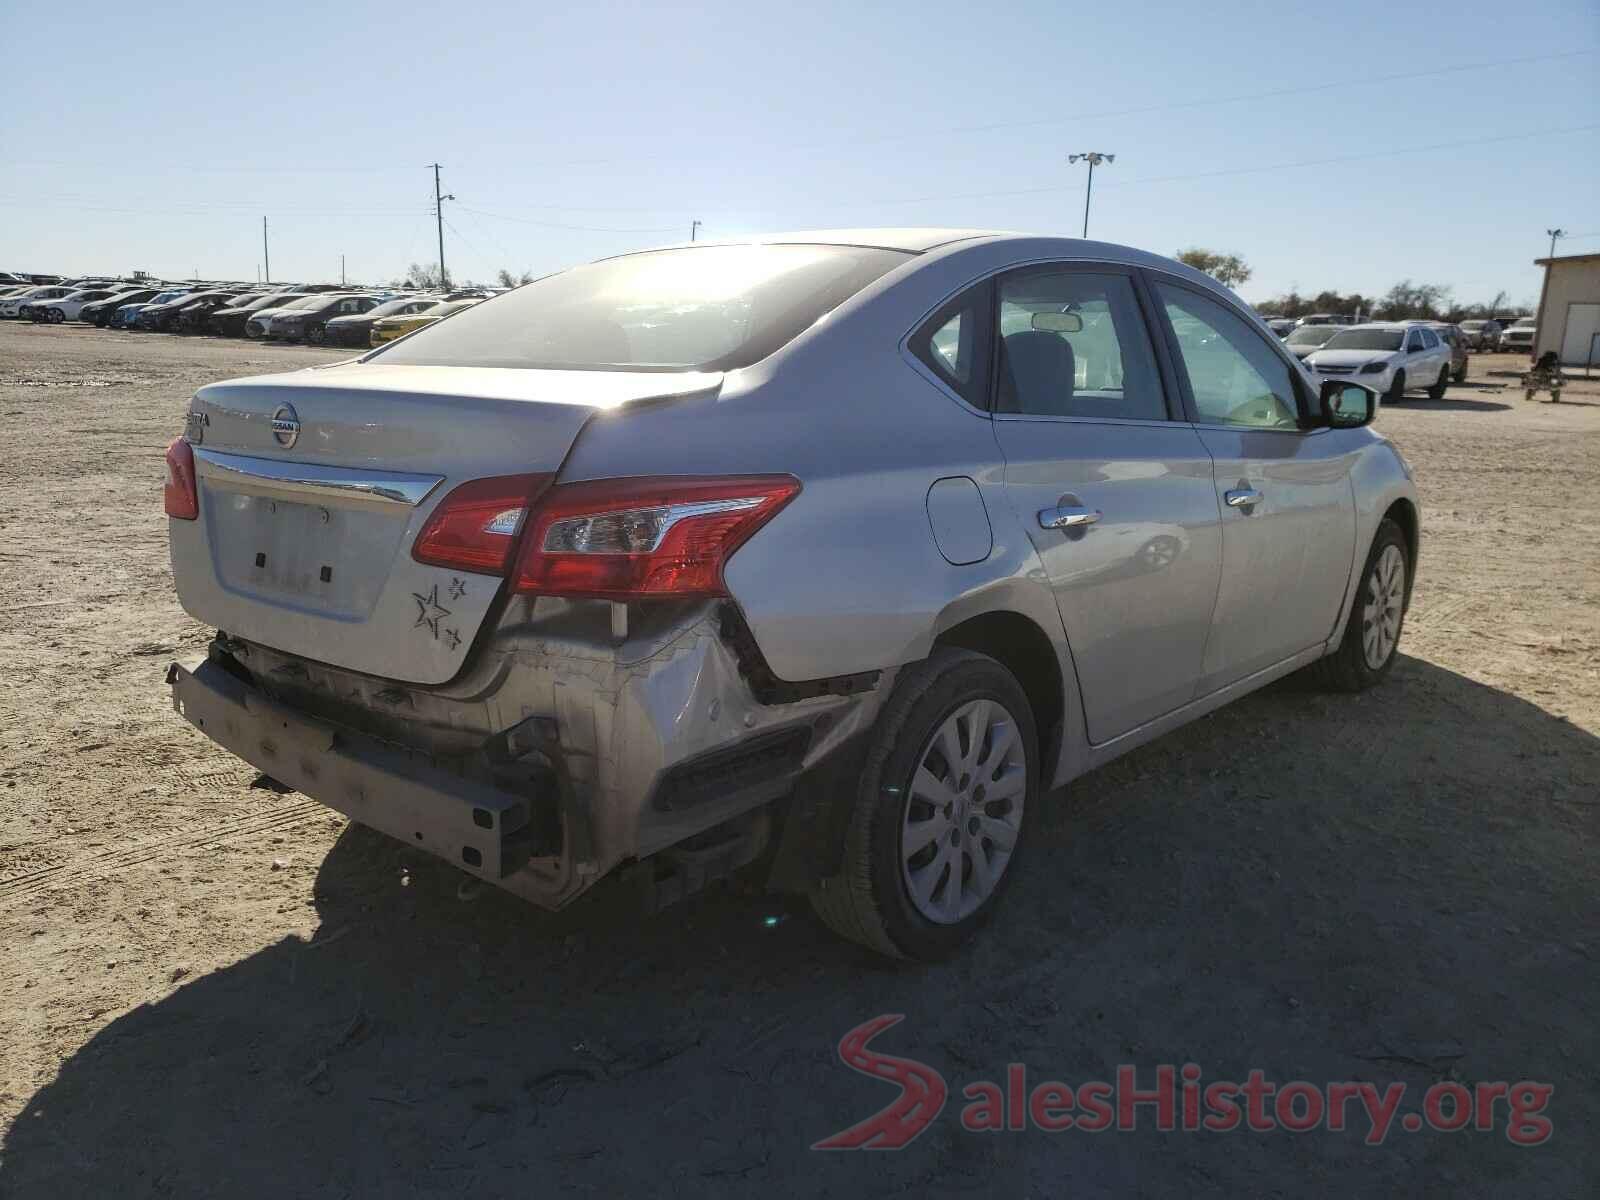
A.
x: 155, y: 135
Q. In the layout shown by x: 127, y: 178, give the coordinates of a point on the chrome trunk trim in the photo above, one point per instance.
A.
x: 308, y: 482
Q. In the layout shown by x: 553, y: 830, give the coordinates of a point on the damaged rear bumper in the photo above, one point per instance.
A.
x: 483, y: 829
x: 562, y: 754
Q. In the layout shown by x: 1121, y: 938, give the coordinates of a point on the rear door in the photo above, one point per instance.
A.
x: 1284, y: 493
x: 1113, y: 487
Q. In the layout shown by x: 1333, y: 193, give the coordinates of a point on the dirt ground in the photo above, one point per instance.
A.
x: 213, y: 990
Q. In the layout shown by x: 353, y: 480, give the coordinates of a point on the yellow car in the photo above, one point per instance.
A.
x: 386, y: 329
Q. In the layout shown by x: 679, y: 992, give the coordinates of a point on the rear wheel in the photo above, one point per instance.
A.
x: 316, y: 335
x: 938, y: 817
x: 57, y: 316
x: 1461, y: 375
x: 1436, y: 392
x: 1397, y: 389
x: 1372, y: 634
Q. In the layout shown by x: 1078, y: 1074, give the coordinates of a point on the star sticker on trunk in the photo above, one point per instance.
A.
x: 429, y: 611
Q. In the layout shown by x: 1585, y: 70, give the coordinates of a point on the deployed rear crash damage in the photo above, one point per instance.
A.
x: 563, y: 753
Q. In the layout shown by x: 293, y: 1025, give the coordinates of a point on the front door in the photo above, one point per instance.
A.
x: 1288, y: 509
x: 1114, y: 489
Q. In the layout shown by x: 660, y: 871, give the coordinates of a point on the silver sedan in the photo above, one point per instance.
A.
x: 830, y: 556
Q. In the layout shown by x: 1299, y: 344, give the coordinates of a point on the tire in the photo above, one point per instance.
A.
x: 1397, y: 388
x: 316, y: 335
x: 1461, y: 375
x: 56, y: 316
x: 871, y: 901
x: 1350, y: 668
x: 1436, y: 392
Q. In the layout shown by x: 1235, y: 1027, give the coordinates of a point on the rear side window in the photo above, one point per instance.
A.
x: 954, y: 342
x: 707, y: 308
x: 1429, y: 340
x: 1073, y: 344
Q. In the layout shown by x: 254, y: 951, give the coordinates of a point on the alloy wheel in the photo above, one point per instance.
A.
x: 1380, y: 620
x: 963, y: 811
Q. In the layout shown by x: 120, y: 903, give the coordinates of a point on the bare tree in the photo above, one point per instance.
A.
x: 1407, y: 299
x: 421, y: 277
x: 1227, y: 269
x: 508, y: 280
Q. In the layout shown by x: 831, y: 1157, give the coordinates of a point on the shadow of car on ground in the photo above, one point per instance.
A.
x: 1448, y: 404
x: 1393, y: 886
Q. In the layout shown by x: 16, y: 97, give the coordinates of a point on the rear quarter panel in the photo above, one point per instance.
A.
x: 848, y: 577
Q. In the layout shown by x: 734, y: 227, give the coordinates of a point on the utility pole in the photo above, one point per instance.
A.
x: 694, y: 229
x: 1094, y: 158
x: 438, y: 211
x: 1554, y: 234
x: 341, y: 270
x: 265, y: 257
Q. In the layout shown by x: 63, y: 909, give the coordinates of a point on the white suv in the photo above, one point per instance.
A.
x: 1388, y: 356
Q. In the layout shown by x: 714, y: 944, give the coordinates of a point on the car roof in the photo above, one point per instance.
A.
x: 912, y: 240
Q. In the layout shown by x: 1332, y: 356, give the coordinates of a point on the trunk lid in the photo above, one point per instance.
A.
x: 314, y: 485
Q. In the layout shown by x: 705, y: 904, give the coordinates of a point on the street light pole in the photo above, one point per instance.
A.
x: 1094, y: 158
x: 694, y: 229
x: 1554, y: 234
x: 265, y: 257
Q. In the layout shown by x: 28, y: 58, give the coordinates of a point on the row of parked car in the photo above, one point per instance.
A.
x: 315, y: 313
x: 1508, y: 333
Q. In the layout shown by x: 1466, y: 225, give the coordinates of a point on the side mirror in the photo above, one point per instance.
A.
x: 1345, y: 405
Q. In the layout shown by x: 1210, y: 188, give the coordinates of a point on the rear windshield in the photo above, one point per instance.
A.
x: 708, y: 308
x: 1312, y: 335
x: 390, y: 307
x: 254, y: 302
x: 1366, y: 339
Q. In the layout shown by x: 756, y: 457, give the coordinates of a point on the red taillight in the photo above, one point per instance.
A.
x: 179, y: 496
x: 632, y: 539
x: 475, y: 527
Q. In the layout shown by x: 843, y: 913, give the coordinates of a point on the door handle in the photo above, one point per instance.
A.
x: 1068, y: 517
x: 1242, y: 498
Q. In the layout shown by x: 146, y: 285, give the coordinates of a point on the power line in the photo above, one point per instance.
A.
x: 1289, y: 166
x: 192, y: 209
x: 577, y: 228
x: 932, y: 130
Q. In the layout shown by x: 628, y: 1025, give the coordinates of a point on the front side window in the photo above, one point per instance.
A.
x: 1073, y: 344
x: 707, y: 308
x: 1429, y: 340
x: 1235, y: 377
x: 1414, y: 342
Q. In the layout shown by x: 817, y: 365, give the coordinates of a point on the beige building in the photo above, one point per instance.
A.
x: 1569, y: 309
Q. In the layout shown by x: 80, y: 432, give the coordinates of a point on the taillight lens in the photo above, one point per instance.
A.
x: 475, y: 527
x: 179, y: 496
x: 631, y: 539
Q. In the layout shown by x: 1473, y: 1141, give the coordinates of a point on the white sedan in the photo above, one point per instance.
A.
x: 11, y: 306
x: 1391, y: 357
x: 65, y: 308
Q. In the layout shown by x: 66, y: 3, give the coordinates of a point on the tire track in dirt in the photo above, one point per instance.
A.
x: 122, y: 858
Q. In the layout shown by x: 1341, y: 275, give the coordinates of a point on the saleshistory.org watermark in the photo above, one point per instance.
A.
x: 1175, y: 1098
